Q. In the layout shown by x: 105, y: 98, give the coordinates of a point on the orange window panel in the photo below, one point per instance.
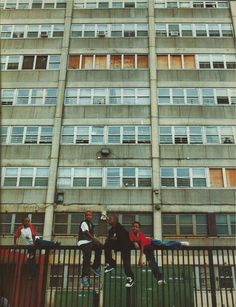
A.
x: 129, y: 61
x: 189, y: 61
x: 87, y: 61
x: 216, y: 177
x: 162, y: 61
x: 142, y: 61
x: 115, y: 62
x: 74, y: 61
x: 231, y: 177
x: 100, y: 62
x: 175, y: 62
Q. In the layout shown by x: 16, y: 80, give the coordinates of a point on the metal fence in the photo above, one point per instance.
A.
x: 195, y: 276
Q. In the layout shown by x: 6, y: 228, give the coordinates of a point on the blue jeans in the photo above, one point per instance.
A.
x: 170, y: 244
x: 149, y: 253
x: 44, y: 243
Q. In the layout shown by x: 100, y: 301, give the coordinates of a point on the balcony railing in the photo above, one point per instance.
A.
x: 195, y: 276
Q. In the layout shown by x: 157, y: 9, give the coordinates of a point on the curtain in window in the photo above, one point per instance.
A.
x: 129, y: 61
x: 74, y: 61
x: 87, y: 61
x: 231, y: 177
x: 142, y: 61
x: 175, y: 62
x: 216, y: 177
x: 162, y: 61
x: 115, y: 62
x: 189, y: 62
x: 100, y: 62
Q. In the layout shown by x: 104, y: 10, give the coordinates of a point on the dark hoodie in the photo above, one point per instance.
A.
x: 119, y: 233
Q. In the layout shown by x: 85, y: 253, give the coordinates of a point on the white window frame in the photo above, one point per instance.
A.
x: 107, y: 96
x: 39, y: 135
x: 104, y: 178
x: 18, y: 177
x: 106, y: 135
x: 231, y: 95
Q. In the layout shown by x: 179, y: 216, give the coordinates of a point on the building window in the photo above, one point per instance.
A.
x: 10, y: 222
x: 124, y: 61
x: 26, y: 135
x: 205, y: 96
x: 101, y: 96
x: 108, y: 30
x: 33, y: 4
x: 24, y: 177
x: 194, y: 30
x: 99, y: 4
x: 106, y: 135
x: 226, y: 224
x: 198, y: 177
x: 197, y: 135
x: 126, y: 177
x: 31, y: 31
x: 226, y: 275
x: 19, y: 62
x: 217, y: 4
x: 198, y: 61
x: 127, y: 219
x: 68, y: 223
x: 28, y: 96
x: 218, y: 61
x: 184, y: 224
x: 176, y: 61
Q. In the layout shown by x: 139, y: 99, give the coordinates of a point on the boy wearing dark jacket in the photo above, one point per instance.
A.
x: 118, y: 240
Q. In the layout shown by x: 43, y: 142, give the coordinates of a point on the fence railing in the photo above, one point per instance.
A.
x: 194, y: 276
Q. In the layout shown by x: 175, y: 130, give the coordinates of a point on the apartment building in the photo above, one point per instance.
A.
x: 125, y: 106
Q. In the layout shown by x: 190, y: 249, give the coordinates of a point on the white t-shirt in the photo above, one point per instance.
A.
x: 84, y: 227
x: 26, y: 235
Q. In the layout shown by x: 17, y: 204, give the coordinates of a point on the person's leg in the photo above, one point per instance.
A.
x: 169, y: 244
x: 98, y: 251
x: 149, y: 253
x: 86, y: 250
x: 125, y: 254
x: 45, y: 243
x: 108, y: 247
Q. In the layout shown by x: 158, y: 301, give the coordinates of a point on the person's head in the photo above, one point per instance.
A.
x: 113, y: 220
x: 136, y: 227
x: 88, y: 215
x: 26, y: 221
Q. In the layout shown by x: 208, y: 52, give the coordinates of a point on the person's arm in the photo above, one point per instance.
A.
x: 33, y: 231
x: 92, y: 237
x: 142, y: 238
x: 17, y: 234
x: 85, y: 229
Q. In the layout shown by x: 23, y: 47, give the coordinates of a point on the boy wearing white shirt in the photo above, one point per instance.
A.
x: 87, y: 242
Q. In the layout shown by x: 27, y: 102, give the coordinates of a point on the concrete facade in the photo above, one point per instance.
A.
x: 155, y: 199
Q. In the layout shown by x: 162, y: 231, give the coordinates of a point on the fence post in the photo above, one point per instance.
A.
x: 45, y: 277
x: 212, y: 278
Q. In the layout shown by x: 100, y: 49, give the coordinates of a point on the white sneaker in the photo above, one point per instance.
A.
x: 184, y: 243
x: 161, y: 282
x: 129, y: 282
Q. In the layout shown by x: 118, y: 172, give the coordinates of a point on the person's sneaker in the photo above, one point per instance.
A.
x: 184, y: 243
x: 129, y: 282
x: 108, y: 268
x: 161, y: 282
x: 96, y: 271
x: 84, y: 281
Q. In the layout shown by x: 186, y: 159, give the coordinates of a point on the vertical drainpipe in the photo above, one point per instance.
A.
x: 55, y: 151
x: 156, y: 200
